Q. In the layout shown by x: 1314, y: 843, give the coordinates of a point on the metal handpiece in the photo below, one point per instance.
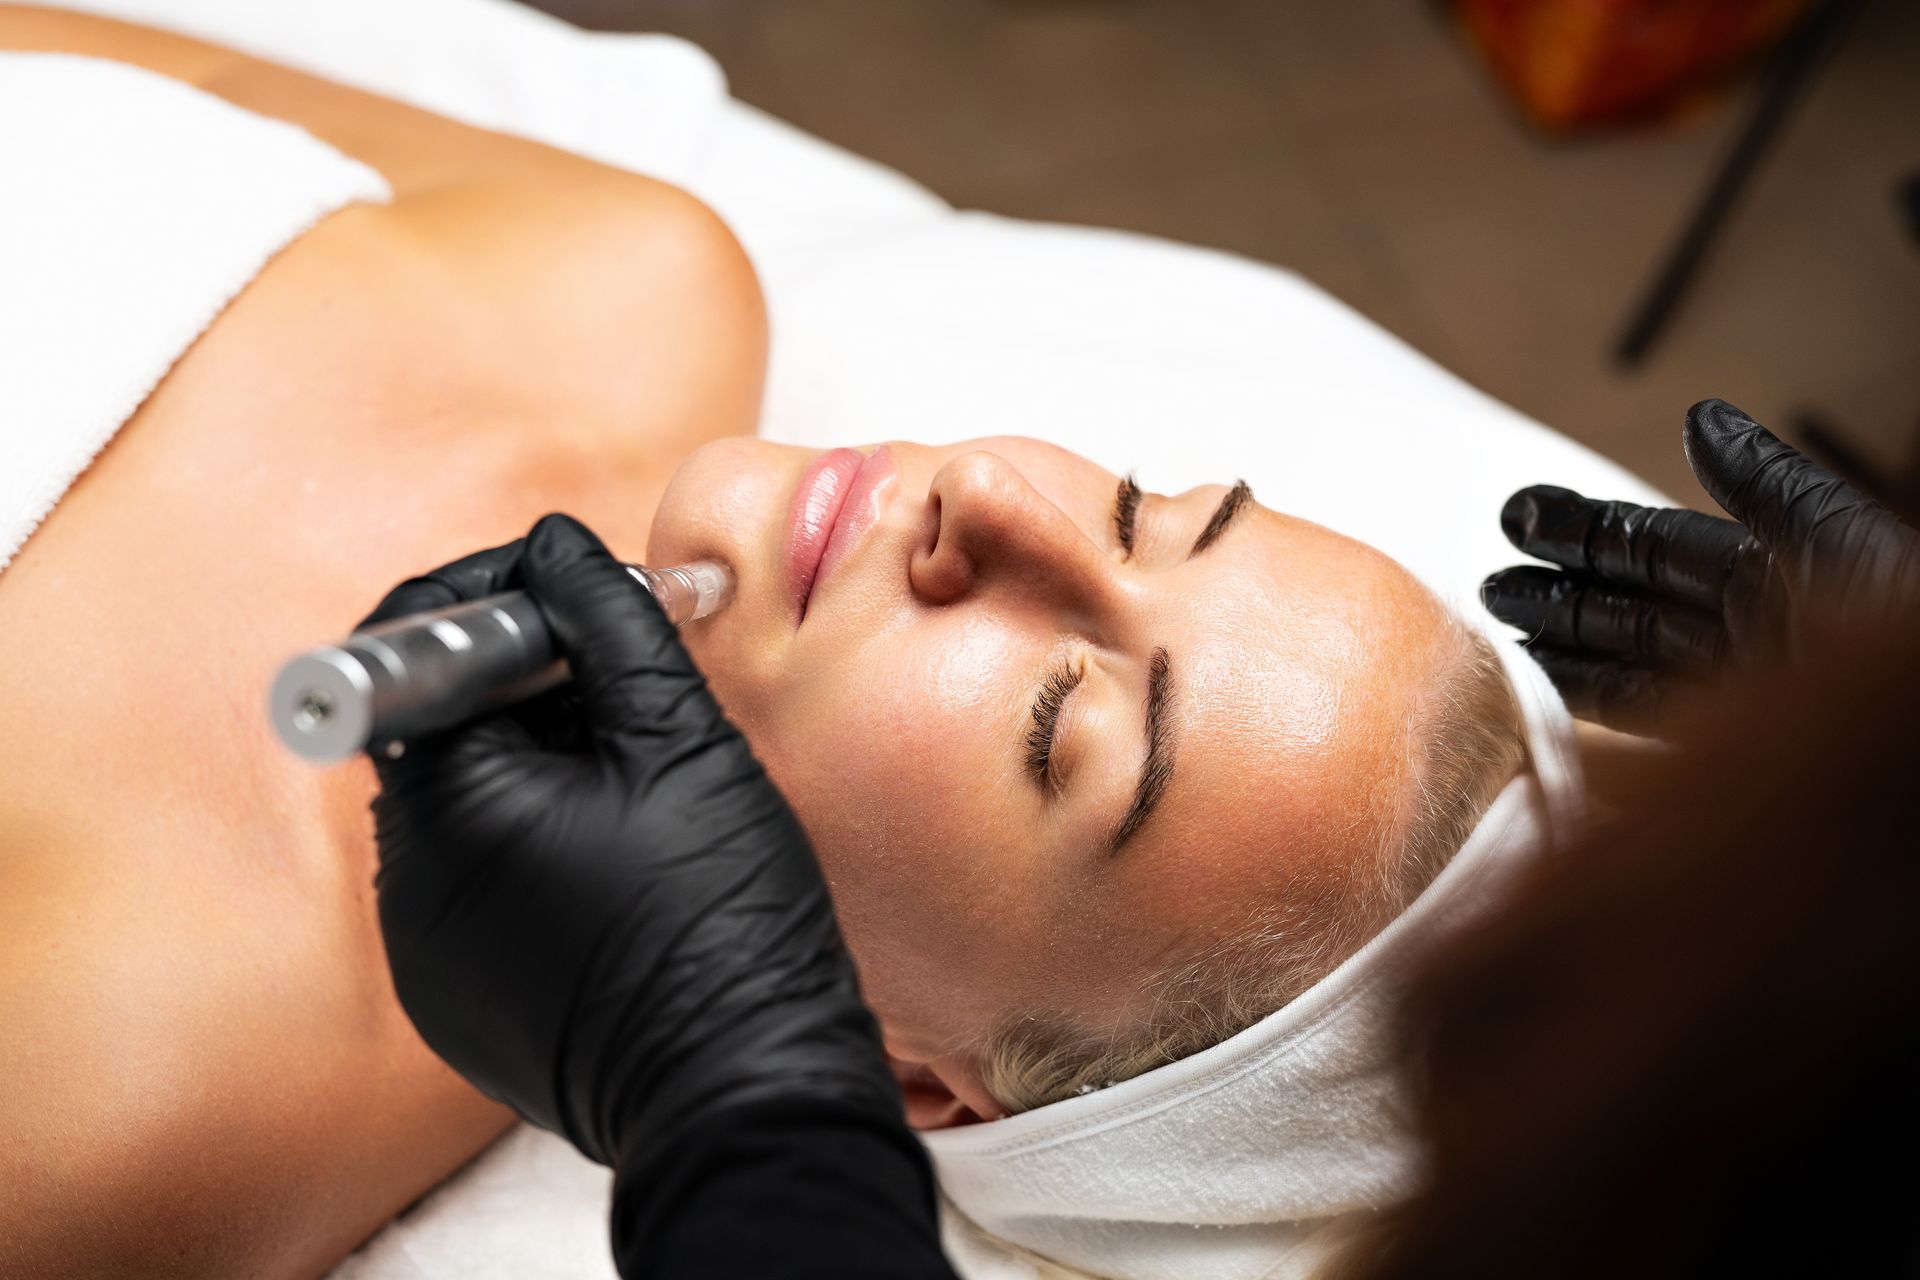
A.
x: 430, y: 671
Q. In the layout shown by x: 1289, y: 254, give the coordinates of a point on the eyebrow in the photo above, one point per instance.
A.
x: 1157, y: 770
x: 1236, y: 501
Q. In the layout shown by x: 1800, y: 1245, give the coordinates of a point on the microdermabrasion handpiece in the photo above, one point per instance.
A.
x: 431, y: 671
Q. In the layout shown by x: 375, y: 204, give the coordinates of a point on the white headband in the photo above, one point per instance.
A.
x: 1228, y: 1165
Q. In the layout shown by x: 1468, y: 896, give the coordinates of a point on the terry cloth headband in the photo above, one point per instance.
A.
x: 1231, y: 1164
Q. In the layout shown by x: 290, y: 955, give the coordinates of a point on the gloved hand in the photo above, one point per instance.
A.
x: 1651, y: 599
x: 597, y: 907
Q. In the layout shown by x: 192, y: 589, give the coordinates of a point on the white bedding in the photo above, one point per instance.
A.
x: 896, y: 317
x: 120, y: 242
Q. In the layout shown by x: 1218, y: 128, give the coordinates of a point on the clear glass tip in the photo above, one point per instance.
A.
x: 688, y: 592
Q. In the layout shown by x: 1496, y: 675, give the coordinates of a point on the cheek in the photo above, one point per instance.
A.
x: 919, y: 701
x: 890, y: 744
x: 890, y: 756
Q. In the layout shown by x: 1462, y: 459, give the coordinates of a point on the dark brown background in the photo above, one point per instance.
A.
x: 1359, y: 143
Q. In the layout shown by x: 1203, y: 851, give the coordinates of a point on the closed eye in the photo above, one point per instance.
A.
x: 1060, y: 682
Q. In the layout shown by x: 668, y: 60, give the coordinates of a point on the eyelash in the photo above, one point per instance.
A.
x: 1060, y: 682
x: 1126, y: 512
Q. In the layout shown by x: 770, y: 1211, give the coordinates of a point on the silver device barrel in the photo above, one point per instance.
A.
x: 430, y: 671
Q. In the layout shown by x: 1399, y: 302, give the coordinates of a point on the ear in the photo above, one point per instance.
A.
x: 940, y: 1093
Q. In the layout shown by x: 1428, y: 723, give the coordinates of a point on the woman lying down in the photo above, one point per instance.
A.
x: 1099, y: 776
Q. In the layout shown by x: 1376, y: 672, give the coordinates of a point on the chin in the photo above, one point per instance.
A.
x: 724, y: 494
x: 740, y: 690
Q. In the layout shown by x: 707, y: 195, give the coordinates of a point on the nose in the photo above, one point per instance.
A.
x: 994, y: 533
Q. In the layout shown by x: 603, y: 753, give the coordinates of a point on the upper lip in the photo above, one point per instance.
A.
x: 859, y: 512
x: 821, y: 493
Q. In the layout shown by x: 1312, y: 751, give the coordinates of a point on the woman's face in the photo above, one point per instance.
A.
x: 1046, y: 732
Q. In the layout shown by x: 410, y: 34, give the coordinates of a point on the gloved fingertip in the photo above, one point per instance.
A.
x: 1490, y: 591
x: 1520, y: 517
x: 1744, y: 467
x: 1498, y: 584
x: 1713, y: 423
x: 570, y: 571
x: 559, y: 538
x: 1713, y: 411
x: 1516, y: 516
x: 1515, y: 595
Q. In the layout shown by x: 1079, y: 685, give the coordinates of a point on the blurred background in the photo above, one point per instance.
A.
x: 1599, y: 211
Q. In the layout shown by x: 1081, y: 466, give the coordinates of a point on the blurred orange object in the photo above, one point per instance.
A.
x: 1574, y: 64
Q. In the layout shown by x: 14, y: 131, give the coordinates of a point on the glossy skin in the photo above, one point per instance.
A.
x: 895, y: 715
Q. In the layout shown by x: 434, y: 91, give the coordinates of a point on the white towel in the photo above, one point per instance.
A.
x: 643, y: 102
x: 133, y: 209
x: 1232, y: 1164
x: 654, y: 104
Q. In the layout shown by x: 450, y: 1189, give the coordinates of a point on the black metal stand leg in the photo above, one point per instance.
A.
x: 1785, y: 80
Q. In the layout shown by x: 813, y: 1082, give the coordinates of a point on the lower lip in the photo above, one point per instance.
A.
x: 823, y: 490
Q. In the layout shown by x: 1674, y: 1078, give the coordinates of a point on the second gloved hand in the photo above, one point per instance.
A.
x: 597, y: 906
x: 1646, y: 599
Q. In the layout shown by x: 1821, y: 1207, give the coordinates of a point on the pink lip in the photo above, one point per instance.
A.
x: 837, y: 501
x: 865, y: 501
x: 816, y: 505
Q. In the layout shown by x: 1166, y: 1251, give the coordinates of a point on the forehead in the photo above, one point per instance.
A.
x: 1298, y: 654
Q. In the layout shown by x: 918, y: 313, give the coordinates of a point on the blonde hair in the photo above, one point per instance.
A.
x: 1464, y: 741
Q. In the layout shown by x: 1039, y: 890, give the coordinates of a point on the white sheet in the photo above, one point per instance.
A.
x: 121, y: 242
x: 895, y: 317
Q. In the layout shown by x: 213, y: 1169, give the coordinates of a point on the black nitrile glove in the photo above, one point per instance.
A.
x: 597, y: 907
x: 1647, y: 600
